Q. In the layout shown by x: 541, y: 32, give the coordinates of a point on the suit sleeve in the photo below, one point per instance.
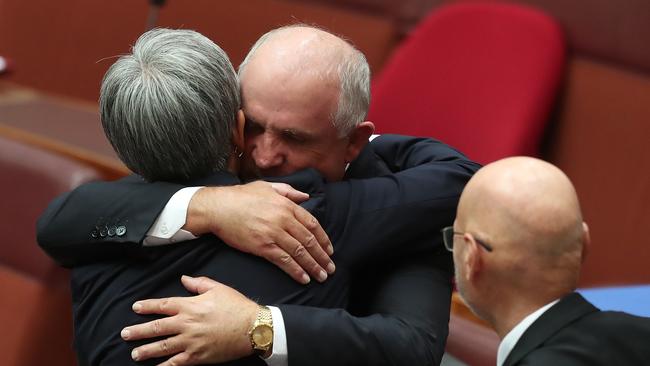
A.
x: 399, y: 312
x: 101, y: 220
x: 406, y: 325
x: 401, y: 213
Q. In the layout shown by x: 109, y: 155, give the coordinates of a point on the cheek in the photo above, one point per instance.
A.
x: 300, y: 160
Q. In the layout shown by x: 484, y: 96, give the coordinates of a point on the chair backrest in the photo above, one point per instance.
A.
x: 35, y: 300
x: 472, y: 343
x: 30, y: 179
x: 481, y: 77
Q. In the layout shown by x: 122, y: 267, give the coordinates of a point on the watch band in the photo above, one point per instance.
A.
x: 261, y: 333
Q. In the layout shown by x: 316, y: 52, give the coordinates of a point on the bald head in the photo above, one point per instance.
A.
x: 529, y: 211
x: 298, y: 49
x: 297, y: 59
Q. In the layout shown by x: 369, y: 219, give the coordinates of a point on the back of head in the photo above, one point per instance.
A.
x: 169, y: 107
x: 528, y: 210
x: 301, y: 50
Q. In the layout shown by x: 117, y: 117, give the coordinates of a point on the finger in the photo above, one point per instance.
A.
x: 290, y: 192
x: 309, y: 241
x: 166, y: 306
x: 310, y: 222
x: 198, y: 284
x: 301, y: 255
x: 181, y: 359
x: 154, y: 328
x: 286, y: 263
x: 164, y: 347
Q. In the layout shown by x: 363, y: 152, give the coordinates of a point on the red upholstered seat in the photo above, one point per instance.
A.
x: 481, y: 77
x: 35, y: 306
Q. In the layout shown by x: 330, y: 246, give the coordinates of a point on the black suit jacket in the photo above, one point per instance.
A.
x: 400, y: 309
x: 574, y: 332
x: 103, y: 292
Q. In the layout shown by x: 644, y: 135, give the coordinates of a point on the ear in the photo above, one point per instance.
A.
x: 473, y: 260
x: 358, y: 139
x: 586, y: 241
x: 238, y: 131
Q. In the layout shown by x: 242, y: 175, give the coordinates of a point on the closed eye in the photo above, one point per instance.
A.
x: 252, y: 127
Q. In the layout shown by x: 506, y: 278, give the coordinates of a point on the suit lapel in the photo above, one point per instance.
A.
x: 567, y: 310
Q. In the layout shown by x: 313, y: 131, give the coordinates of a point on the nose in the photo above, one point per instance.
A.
x: 267, y: 152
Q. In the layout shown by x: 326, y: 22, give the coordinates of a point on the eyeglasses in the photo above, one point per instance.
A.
x: 448, y: 234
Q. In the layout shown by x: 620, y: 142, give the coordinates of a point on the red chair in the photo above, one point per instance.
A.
x: 481, y: 77
x: 35, y: 305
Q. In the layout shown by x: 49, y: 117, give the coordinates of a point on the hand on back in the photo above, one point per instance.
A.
x: 263, y: 219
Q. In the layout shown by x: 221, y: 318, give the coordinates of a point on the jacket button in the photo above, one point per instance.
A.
x: 120, y: 230
x: 94, y: 234
x: 103, y: 231
x: 112, y: 230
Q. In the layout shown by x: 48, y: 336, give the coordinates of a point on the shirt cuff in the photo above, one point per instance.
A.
x: 167, y: 227
x: 279, y: 357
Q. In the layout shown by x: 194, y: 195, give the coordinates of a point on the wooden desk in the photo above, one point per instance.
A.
x: 61, y: 125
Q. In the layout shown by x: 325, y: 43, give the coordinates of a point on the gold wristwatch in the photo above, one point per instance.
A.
x: 261, y: 334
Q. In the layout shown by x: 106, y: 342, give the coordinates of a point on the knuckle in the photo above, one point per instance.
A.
x: 163, y: 305
x: 284, y: 258
x: 311, y: 241
x: 312, y: 223
x: 299, y: 251
x: 164, y: 345
x: 156, y: 327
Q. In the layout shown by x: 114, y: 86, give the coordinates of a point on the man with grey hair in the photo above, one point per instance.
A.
x: 518, y: 243
x: 293, y: 82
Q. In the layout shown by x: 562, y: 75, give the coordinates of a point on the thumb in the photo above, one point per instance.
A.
x: 198, y: 285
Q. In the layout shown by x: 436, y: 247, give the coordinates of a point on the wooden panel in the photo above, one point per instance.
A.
x: 602, y: 142
x: 66, y: 46
x: 618, y: 31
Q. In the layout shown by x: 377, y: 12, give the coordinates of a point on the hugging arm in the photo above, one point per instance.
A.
x: 401, y: 300
x: 402, y: 212
x: 405, y: 322
x: 101, y: 220
x: 104, y: 220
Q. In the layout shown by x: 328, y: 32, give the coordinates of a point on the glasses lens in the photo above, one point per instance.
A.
x: 448, y: 237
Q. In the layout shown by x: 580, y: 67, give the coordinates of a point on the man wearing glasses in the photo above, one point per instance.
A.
x: 518, y: 243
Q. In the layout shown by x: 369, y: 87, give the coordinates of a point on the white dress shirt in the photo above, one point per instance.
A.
x: 511, y: 339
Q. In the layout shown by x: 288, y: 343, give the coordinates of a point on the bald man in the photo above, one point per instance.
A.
x: 518, y: 244
x: 305, y: 95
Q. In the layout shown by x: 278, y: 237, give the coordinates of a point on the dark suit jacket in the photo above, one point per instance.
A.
x: 400, y: 309
x: 574, y: 332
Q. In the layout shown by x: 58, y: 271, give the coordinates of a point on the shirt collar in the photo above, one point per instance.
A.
x: 511, y: 339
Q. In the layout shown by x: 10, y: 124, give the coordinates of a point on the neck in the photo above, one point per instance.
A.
x: 510, y: 311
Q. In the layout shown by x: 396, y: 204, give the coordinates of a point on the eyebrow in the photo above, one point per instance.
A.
x: 297, y: 134
x: 284, y: 131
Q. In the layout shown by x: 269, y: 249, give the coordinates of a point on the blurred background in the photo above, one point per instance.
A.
x: 576, y: 72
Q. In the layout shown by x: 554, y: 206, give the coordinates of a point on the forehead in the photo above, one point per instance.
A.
x: 299, y: 102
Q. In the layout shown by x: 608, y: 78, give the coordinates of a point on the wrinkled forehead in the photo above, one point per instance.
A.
x: 297, y: 104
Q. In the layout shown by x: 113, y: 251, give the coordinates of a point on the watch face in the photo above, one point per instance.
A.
x: 263, y: 335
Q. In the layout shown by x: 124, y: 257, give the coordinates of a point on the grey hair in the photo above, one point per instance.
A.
x: 169, y: 107
x: 354, y: 81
